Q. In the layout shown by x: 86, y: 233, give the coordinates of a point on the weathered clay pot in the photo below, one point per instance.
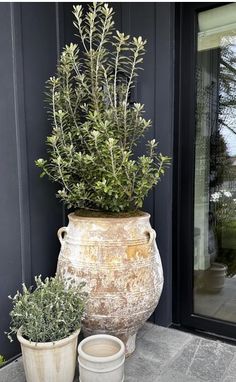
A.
x: 118, y: 259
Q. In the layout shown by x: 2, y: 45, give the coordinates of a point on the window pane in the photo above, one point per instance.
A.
x: 215, y: 170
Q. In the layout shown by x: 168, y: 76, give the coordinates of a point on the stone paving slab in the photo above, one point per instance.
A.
x: 205, y: 360
x: 165, y: 355
x: 230, y: 375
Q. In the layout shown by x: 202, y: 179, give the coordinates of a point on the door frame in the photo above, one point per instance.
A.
x: 183, y: 184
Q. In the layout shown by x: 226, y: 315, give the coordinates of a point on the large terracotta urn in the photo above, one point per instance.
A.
x: 118, y: 259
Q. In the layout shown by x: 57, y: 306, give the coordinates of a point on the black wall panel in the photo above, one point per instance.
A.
x: 40, y: 37
x: 164, y: 120
x: 11, y: 262
x: 30, y: 214
x: 155, y: 22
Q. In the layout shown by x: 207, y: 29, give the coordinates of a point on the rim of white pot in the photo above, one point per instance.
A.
x: 218, y: 266
x: 46, y: 345
x: 103, y: 359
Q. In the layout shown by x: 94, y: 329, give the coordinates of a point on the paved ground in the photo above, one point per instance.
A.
x: 221, y: 305
x: 166, y: 355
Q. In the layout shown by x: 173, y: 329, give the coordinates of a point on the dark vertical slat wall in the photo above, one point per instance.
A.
x: 10, y: 232
x: 32, y: 35
x: 155, y: 22
x: 30, y: 214
x: 138, y: 19
x: 164, y: 132
x: 40, y: 39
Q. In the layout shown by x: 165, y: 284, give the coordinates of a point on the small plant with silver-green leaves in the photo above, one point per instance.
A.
x: 95, y: 127
x: 49, y: 312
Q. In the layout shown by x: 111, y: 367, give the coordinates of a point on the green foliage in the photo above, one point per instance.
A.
x: 2, y: 360
x: 220, y: 163
x: 223, y: 206
x: 227, y: 256
x: 227, y: 245
x: 94, y: 127
x: 49, y: 312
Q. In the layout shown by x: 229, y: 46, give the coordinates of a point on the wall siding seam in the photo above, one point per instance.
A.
x: 155, y: 107
x: 21, y: 142
x: 60, y: 40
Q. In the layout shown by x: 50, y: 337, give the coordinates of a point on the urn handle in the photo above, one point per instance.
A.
x: 61, y: 233
x: 151, y: 234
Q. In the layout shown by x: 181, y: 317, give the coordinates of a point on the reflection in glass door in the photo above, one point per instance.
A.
x: 215, y: 166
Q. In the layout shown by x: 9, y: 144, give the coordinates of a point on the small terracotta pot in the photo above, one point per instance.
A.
x: 101, y: 359
x: 49, y: 361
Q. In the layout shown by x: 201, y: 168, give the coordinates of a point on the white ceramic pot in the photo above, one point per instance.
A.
x: 118, y: 259
x: 215, y: 277
x: 49, y: 361
x: 101, y: 359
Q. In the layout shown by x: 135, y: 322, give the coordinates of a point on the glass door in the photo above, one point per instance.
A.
x: 205, y: 225
x: 215, y: 165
